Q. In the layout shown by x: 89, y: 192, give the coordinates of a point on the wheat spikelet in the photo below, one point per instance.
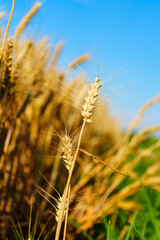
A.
x: 90, y: 101
x: 78, y: 61
x: 57, y: 52
x: 58, y: 208
x: 26, y: 19
x: 67, y: 149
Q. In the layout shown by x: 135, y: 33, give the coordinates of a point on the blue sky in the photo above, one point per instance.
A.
x: 128, y: 32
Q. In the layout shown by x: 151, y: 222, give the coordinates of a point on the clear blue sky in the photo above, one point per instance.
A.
x: 128, y: 32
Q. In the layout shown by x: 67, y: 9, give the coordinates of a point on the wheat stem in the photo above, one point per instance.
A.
x: 66, y: 215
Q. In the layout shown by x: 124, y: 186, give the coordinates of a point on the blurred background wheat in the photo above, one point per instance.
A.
x: 38, y: 106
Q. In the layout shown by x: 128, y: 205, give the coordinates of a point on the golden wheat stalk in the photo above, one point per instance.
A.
x: 87, y: 112
x: 26, y: 19
x: 61, y: 214
x: 66, y: 214
x: 5, y: 36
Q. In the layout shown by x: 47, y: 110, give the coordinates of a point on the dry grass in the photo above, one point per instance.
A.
x: 37, y: 105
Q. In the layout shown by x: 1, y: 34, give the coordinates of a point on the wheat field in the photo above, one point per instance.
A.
x: 65, y: 163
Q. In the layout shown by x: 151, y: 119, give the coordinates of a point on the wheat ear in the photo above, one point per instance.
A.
x: 153, y: 101
x: 58, y: 208
x: 57, y: 52
x: 26, y: 19
x: 78, y: 61
x: 91, y: 101
x: 67, y: 151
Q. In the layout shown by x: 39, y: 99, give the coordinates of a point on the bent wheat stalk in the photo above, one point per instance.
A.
x: 104, y: 163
